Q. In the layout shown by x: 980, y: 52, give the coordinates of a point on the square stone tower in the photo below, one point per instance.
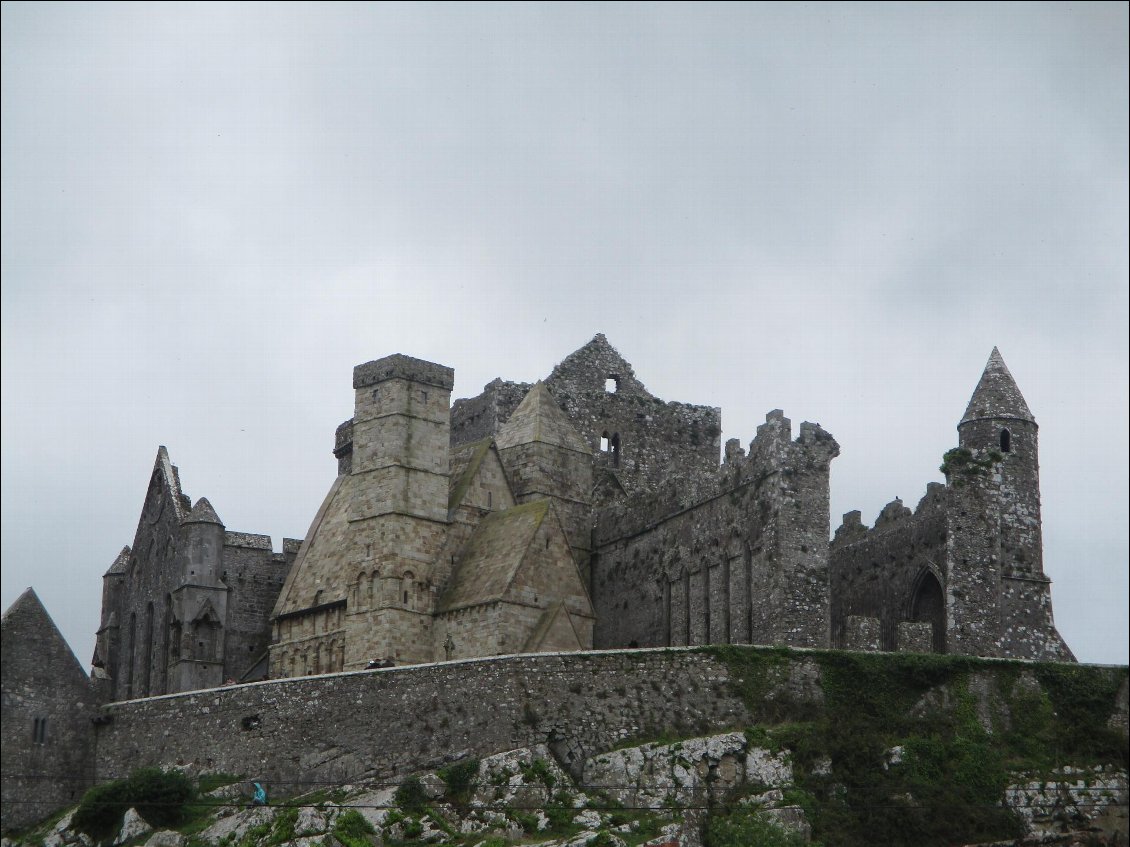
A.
x: 362, y: 586
x: 401, y: 433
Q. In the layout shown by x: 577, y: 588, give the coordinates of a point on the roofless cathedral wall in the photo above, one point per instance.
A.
x: 743, y: 562
x: 635, y: 436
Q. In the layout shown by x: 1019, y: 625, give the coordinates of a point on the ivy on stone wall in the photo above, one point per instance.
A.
x: 915, y: 749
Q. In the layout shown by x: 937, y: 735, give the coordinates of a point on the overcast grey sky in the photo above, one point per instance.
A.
x: 212, y: 212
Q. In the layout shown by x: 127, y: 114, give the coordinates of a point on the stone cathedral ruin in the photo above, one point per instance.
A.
x: 575, y: 513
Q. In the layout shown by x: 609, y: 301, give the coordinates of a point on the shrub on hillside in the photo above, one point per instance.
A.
x: 159, y: 797
x: 410, y: 795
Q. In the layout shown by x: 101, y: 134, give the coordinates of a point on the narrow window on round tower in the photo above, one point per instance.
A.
x: 1006, y: 441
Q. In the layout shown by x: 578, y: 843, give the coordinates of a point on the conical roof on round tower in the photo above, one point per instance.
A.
x: 997, y: 395
x: 203, y: 512
x: 120, y: 565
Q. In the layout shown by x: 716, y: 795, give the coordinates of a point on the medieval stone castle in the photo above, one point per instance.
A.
x: 579, y: 512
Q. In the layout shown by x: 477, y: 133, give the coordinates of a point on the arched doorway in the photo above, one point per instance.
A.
x: 929, y: 604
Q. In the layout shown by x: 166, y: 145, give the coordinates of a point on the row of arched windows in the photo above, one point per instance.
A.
x: 372, y: 590
x: 311, y: 659
x: 712, y: 606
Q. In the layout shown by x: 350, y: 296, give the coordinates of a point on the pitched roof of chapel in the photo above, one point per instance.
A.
x: 996, y: 394
x: 33, y: 644
x: 539, y: 418
x: 465, y: 461
x: 493, y: 555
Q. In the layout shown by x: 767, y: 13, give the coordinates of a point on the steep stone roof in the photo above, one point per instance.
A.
x: 324, y: 561
x: 32, y: 642
x: 163, y: 465
x: 203, y: 512
x: 997, y: 395
x: 493, y: 555
x: 464, y: 462
x: 539, y: 418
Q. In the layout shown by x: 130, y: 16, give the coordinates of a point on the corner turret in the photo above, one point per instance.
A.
x: 204, y: 537
x: 199, y: 605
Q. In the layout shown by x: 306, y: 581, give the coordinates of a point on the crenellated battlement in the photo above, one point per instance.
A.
x: 852, y: 529
x: 770, y: 451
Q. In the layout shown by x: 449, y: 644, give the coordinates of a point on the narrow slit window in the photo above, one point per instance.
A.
x: 1006, y: 441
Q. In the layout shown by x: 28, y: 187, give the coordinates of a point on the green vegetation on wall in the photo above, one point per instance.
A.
x: 917, y: 750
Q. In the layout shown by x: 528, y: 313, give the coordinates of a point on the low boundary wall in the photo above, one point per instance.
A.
x: 338, y: 728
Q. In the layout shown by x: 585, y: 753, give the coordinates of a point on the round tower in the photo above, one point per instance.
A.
x: 204, y: 544
x: 998, y: 425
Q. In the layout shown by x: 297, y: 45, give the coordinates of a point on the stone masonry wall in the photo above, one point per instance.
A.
x: 875, y: 572
x: 390, y: 722
x: 477, y: 417
x: 745, y: 563
x: 648, y: 439
x: 153, y: 573
x: 47, y: 706
x: 254, y: 575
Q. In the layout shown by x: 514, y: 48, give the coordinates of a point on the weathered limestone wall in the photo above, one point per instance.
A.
x: 47, y: 706
x: 647, y: 439
x: 879, y: 572
x: 477, y: 417
x: 745, y: 563
x: 147, y: 644
x: 254, y: 575
x: 390, y: 722
x: 150, y: 574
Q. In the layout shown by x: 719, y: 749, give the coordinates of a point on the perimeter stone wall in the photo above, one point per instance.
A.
x: 389, y: 722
